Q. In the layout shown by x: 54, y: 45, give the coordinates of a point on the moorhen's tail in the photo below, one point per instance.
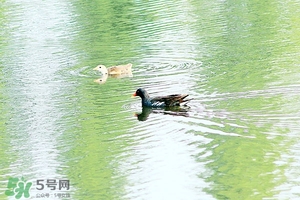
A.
x: 184, y: 100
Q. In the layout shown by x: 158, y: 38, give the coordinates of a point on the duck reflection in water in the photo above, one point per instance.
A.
x: 102, y: 79
x: 176, y: 111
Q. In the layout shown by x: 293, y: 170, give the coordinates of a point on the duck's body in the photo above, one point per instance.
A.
x: 119, y: 69
x: 160, y: 101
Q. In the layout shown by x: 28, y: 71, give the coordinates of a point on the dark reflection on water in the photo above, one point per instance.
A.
x: 238, y: 61
x: 176, y: 111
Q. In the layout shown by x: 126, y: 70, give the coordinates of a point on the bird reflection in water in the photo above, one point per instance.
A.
x: 103, y: 78
x: 176, y: 111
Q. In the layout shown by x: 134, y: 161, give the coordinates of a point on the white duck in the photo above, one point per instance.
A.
x: 119, y: 69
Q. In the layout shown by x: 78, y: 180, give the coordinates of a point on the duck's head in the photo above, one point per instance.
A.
x: 102, y: 69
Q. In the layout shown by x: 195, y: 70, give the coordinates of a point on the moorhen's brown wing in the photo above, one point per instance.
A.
x: 170, y: 100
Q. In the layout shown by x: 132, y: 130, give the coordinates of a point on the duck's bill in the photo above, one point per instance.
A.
x: 96, y: 68
x: 133, y: 95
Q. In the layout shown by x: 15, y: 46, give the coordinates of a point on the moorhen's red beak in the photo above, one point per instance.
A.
x: 134, y: 95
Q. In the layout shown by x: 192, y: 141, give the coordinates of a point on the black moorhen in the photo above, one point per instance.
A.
x: 160, y: 101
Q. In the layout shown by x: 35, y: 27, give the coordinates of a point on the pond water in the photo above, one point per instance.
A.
x: 237, y: 139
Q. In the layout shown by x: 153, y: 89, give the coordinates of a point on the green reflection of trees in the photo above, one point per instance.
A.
x: 6, y: 155
x: 99, y: 120
x: 247, y: 53
x: 106, y: 31
x: 243, y: 46
x: 105, y: 34
x: 243, y: 168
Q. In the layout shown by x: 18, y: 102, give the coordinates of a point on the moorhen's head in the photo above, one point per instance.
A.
x: 141, y: 93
